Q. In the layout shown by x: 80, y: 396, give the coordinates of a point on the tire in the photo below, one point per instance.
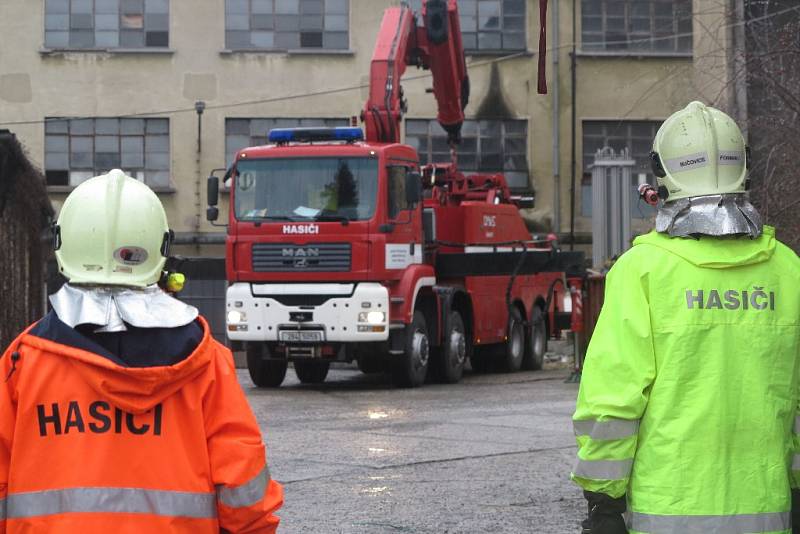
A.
x: 311, y: 372
x: 450, y: 357
x: 514, y: 347
x: 410, y: 368
x: 264, y: 373
x: 536, y: 343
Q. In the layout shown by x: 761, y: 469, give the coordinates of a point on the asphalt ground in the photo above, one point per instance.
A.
x: 357, y: 455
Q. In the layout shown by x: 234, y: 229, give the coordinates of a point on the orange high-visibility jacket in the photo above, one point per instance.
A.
x: 92, y: 445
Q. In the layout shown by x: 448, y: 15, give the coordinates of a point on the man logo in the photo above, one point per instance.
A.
x: 300, y: 255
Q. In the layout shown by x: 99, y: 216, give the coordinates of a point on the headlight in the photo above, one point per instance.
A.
x: 373, y: 317
x: 235, y: 317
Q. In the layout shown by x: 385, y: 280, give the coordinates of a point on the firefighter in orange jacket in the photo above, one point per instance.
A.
x: 118, y: 410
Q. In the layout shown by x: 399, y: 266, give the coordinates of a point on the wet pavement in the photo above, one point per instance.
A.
x: 356, y: 455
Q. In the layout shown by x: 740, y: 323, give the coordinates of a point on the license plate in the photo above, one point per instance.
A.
x: 300, y: 336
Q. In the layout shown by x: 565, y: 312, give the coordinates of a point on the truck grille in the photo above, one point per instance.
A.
x: 314, y: 257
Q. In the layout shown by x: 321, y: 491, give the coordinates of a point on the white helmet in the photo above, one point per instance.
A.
x: 112, y: 230
x: 699, y: 151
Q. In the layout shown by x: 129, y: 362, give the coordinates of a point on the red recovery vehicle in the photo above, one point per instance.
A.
x: 345, y: 248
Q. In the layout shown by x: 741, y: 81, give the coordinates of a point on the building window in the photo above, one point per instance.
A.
x: 286, y: 24
x: 77, y: 149
x: 106, y: 23
x: 487, y: 146
x: 650, y: 26
x: 637, y: 137
x: 242, y: 133
x: 489, y: 25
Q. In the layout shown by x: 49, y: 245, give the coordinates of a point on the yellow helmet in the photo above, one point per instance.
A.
x: 699, y: 151
x: 112, y: 230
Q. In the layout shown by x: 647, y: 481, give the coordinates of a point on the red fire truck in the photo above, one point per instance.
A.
x: 342, y: 246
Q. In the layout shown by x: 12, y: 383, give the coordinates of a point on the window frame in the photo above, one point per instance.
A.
x: 281, y: 122
x: 118, y: 13
x: 140, y: 172
x: 600, y: 37
x: 301, y: 18
x: 501, y: 31
x: 472, y: 131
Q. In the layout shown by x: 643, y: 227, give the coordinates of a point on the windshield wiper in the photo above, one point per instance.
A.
x: 258, y: 221
x: 333, y: 217
x: 273, y: 218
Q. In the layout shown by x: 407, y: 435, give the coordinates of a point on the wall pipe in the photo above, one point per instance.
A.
x: 573, y: 68
x: 556, y: 124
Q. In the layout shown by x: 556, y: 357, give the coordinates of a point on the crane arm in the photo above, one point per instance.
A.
x: 436, y: 46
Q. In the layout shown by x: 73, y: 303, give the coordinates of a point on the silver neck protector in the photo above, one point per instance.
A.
x: 712, y: 215
x: 111, y: 308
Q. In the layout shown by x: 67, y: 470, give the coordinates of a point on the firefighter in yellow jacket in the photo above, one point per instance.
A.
x: 687, y: 415
x: 118, y: 410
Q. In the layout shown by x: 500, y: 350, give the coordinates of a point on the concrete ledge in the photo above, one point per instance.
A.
x: 66, y: 189
x: 627, y: 54
x: 289, y: 52
x: 122, y: 51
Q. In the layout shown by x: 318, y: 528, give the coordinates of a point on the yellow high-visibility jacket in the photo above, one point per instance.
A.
x: 689, y: 398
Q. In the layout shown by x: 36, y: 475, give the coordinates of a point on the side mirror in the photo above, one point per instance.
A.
x: 212, y: 213
x: 413, y: 188
x: 213, y: 190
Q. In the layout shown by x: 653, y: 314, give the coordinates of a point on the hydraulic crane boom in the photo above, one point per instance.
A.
x: 436, y: 46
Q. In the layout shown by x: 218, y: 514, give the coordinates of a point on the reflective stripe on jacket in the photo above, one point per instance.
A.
x: 92, y: 446
x: 689, y: 395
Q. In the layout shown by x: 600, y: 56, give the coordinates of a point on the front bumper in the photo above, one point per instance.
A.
x: 307, y: 313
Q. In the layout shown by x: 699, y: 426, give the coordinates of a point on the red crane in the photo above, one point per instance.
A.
x: 436, y: 46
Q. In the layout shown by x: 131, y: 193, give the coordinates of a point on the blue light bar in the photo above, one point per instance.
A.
x: 307, y: 135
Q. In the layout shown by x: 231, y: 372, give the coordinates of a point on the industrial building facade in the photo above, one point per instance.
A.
x: 169, y: 90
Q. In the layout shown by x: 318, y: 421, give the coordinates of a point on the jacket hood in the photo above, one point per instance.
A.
x: 716, y: 252
x: 133, y: 389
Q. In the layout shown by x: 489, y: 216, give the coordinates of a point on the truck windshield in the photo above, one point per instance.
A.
x: 306, y: 189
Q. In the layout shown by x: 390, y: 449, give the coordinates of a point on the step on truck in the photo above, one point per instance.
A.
x: 341, y: 246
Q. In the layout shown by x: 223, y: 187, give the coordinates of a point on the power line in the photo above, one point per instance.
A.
x: 473, y: 64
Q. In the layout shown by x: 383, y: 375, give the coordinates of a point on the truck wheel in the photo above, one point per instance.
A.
x: 311, y: 372
x: 451, y: 356
x: 264, y: 373
x: 514, y: 347
x: 410, y: 368
x: 536, y: 344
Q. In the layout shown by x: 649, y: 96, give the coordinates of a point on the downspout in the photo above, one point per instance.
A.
x: 739, y: 65
x: 574, y: 98
x: 556, y: 126
x: 199, y: 107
